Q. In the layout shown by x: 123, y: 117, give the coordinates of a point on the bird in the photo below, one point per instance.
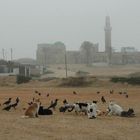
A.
x: 95, y: 102
x: 24, y: 108
x: 111, y: 91
x: 98, y: 92
x: 124, y: 92
x: 36, y: 91
x: 126, y: 95
x: 7, y: 102
x: 65, y: 102
x: 120, y: 92
x: 7, y: 108
x: 17, y: 100
x: 53, y: 104
x: 74, y: 93
x: 48, y: 95
x: 14, y: 105
x: 30, y: 103
x: 103, y: 99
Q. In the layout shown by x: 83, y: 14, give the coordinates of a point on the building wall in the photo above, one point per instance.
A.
x: 73, y: 57
x: 88, y: 52
x: 100, y: 57
x: 50, y: 53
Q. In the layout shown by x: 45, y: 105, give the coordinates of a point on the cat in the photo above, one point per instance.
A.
x: 32, y: 111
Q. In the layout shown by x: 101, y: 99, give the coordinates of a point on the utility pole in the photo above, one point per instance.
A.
x: 66, y: 63
x: 11, y: 54
x: 3, y: 55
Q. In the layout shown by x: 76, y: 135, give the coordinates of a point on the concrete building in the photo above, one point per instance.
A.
x: 73, y: 57
x: 88, y: 52
x: 128, y: 50
x: 50, y: 54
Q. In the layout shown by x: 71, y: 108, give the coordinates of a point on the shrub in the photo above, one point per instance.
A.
x: 81, y: 73
x: 22, y: 79
x: 129, y: 80
x: 48, y: 72
x: 76, y: 81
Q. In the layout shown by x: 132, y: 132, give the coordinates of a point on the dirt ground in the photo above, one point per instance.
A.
x: 114, y: 70
x: 69, y: 126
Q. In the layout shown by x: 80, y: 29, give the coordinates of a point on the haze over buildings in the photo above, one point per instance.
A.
x: 88, y: 52
x: 26, y: 23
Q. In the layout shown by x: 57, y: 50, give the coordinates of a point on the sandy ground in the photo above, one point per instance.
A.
x: 69, y: 126
x: 116, y: 70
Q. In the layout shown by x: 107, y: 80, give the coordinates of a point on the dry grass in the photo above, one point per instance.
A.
x: 95, y: 71
x: 69, y: 126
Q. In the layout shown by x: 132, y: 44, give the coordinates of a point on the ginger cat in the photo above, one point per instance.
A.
x: 32, y: 110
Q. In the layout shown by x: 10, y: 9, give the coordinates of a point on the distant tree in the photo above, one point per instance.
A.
x: 22, y: 79
x: 3, y: 62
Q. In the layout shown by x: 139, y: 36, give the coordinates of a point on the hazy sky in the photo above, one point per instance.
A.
x: 25, y: 23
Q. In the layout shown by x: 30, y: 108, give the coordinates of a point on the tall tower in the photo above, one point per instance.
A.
x: 108, y: 48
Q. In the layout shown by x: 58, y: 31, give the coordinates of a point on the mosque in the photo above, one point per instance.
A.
x: 88, y: 53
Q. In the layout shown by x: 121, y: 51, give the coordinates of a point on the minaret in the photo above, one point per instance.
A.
x: 108, y: 48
